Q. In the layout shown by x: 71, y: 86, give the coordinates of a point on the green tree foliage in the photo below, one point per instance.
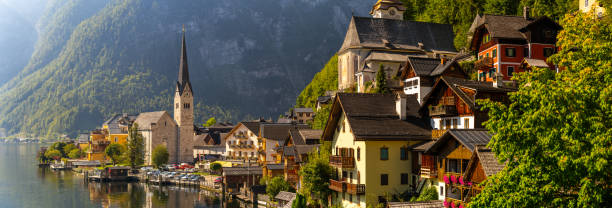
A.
x: 320, y: 119
x: 276, y: 185
x: 461, y: 13
x: 160, y: 156
x: 216, y: 167
x: 381, y: 81
x: 114, y: 152
x: 299, y: 201
x: 316, y: 174
x: 54, y: 154
x: 135, y: 147
x: 75, y: 154
x: 325, y: 80
x: 556, y: 133
x: 211, y: 121
x: 67, y: 149
x: 59, y: 146
x: 428, y: 194
x: 41, y: 157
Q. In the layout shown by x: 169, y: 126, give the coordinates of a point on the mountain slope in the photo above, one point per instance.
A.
x: 122, y: 56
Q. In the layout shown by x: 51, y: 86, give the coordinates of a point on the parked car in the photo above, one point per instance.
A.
x: 195, y: 178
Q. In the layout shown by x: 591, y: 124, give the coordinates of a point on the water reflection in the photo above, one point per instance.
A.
x: 23, y: 184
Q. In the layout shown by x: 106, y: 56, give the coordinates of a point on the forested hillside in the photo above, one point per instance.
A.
x: 325, y: 80
x: 97, y: 58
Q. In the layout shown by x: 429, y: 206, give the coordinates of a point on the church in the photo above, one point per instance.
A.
x: 178, y: 133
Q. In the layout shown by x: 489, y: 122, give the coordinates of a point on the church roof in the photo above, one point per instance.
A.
x: 145, y: 120
x: 380, y: 33
x: 183, y: 76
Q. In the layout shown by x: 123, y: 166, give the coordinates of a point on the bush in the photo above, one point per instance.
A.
x: 53, y: 154
x: 428, y: 194
x: 75, y: 154
x: 276, y: 185
x: 160, y: 156
x: 216, y: 167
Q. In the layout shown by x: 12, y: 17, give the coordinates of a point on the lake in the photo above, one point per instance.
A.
x: 23, y: 184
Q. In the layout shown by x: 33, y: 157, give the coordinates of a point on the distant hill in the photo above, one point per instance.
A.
x: 95, y: 58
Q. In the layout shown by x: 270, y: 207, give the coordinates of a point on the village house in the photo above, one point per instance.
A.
x: 371, y: 136
x: 295, y: 152
x: 157, y: 128
x: 241, y: 142
x: 420, y: 73
x: 386, y: 39
x: 271, y: 137
x: 596, y: 6
x: 117, y: 128
x: 97, y: 145
x: 446, y: 161
x: 482, y: 165
x: 504, y: 42
x: 210, y: 141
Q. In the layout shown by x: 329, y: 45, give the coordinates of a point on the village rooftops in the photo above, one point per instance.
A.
x: 487, y: 159
x: 279, y: 131
x: 380, y: 33
x: 286, y: 197
x: 467, y: 137
x: 506, y: 27
x: 455, y: 84
x: 375, y: 117
x: 240, y: 171
x: 302, y: 136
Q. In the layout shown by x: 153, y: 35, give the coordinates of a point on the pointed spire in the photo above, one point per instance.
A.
x: 183, y: 76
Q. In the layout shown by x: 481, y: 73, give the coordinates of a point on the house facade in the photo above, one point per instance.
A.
x: 117, y: 128
x: 419, y: 74
x: 385, y: 39
x: 503, y: 42
x: 371, y: 136
x: 241, y: 142
x: 596, y: 6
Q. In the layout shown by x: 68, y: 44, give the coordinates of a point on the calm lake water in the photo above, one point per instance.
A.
x: 23, y: 184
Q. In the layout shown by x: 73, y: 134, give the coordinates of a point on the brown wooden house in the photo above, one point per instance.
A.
x: 446, y: 161
x: 420, y: 74
x: 482, y: 165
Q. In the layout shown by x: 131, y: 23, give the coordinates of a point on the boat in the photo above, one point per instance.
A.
x: 59, y: 166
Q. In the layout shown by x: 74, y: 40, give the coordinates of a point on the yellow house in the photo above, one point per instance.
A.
x: 272, y: 136
x: 371, y: 136
x: 97, y: 145
x: 117, y: 128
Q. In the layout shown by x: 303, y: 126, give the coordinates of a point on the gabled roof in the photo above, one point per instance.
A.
x: 455, y: 84
x: 144, y: 120
x: 535, y: 63
x: 299, y: 136
x: 278, y: 131
x: 467, y: 137
x: 423, y: 66
x: 303, y: 110
x: 487, y: 160
x: 501, y: 26
x: 285, y: 196
x: 275, y: 166
x: 241, y: 171
x: 374, y: 117
x: 387, y: 56
x: 252, y: 126
x: 367, y: 32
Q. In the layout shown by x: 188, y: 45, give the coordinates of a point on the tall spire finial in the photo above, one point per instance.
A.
x: 183, y: 76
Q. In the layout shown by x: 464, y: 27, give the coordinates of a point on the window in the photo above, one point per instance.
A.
x: 384, y: 153
x: 116, y: 139
x: 480, y: 57
x: 548, y: 52
x: 176, y: 106
x: 510, y: 71
x: 442, y: 190
x: 186, y: 105
x: 526, y: 52
x: 494, y: 53
x: 384, y: 179
x: 586, y: 3
x: 455, y: 123
x: 358, y: 153
x: 403, y: 153
x: 351, y: 198
x: 466, y: 123
x: 404, y: 178
x: 511, y: 52
x: 487, y: 55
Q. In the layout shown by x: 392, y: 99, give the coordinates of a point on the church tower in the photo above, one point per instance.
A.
x: 388, y: 9
x: 183, y: 108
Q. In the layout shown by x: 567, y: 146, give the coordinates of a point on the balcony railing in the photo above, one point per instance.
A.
x: 355, y: 188
x: 443, y: 110
x: 437, y: 133
x: 447, y: 100
x: 429, y: 172
x: 337, y: 186
x: 341, y: 161
x: 485, y: 63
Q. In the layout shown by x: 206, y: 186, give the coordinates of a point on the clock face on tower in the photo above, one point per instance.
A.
x: 392, y: 11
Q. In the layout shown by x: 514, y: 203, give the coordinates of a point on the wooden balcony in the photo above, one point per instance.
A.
x: 355, y: 188
x: 447, y: 100
x: 437, y: 133
x: 342, y: 161
x: 443, y: 110
x: 485, y: 63
x: 337, y: 186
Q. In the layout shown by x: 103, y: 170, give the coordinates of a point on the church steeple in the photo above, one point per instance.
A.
x: 183, y: 76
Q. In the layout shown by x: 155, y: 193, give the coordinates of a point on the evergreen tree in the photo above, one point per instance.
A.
x: 299, y: 201
x: 135, y: 151
x: 556, y: 133
x: 381, y: 81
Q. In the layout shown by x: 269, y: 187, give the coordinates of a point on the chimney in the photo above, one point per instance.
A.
x: 526, y: 12
x: 498, y: 81
x: 400, y: 106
